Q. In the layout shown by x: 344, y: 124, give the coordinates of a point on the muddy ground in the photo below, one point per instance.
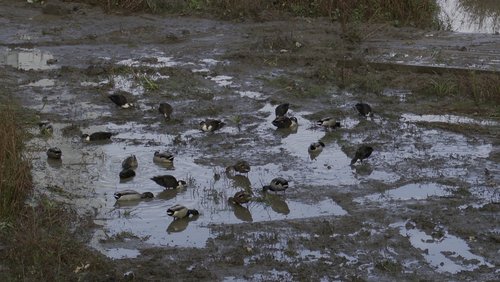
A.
x: 424, y: 206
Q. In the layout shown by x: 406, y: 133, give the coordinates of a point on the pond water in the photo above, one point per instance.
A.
x: 470, y: 16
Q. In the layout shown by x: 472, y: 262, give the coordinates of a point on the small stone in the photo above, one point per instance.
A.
x: 129, y: 275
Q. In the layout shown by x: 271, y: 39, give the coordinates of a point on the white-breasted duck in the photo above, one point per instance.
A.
x: 132, y: 195
x: 364, y: 109
x: 120, y: 100
x: 316, y: 147
x: 281, y: 109
x: 97, y: 136
x: 54, y: 153
x: 240, y: 167
x: 130, y: 162
x: 180, y: 211
x: 277, y: 184
x: 241, y: 197
x: 169, y: 181
x: 127, y: 173
x: 166, y: 110
x: 211, y: 125
x: 328, y: 122
x: 362, y: 153
x: 163, y: 157
x: 285, y: 122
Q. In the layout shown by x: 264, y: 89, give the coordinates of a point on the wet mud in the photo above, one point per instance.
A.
x: 424, y: 205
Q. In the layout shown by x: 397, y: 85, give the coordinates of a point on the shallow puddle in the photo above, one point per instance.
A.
x: 446, y: 254
x: 414, y: 191
x: 273, y: 275
x: 148, y: 219
x: 446, y: 119
x: 26, y: 59
x: 470, y: 16
x: 45, y: 83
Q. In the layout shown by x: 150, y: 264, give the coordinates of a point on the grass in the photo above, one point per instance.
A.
x: 42, y: 247
x: 38, y: 240
x: 399, y: 12
x: 15, y: 177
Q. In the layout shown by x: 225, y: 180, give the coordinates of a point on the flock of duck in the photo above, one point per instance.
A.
x: 279, y: 184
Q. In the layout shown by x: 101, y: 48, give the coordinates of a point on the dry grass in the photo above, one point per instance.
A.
x: 405, y: 12
x: 36, y: 243
x: 42, y: 247
x: 15, y: 177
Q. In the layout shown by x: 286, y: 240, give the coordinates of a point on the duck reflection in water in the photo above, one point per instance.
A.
x: 277, y: 204
x: 181, y: 224
x: 168, y: 194
x: 240, y: 198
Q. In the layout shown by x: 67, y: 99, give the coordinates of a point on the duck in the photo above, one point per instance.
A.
x: 316, y: 147
x: 211, y: 125
x: 130, y: 162
x: 281, y: 109
x: 364, y: 109
x: 54, y: 153
x: 163, y: 157
x: 277, y: 184
x: 169, y: 181
x: 362, y: 153
x: 180, y: 211
x: 131, y: 195
x: 240, y: 166
x: 328, y: 122
x: 120, y: 100
x: 97, y: 136
x: 166, y: 110
x: 285, y: 122
x: 241, y: 197
x: 46, y: 128
x: 127, y: 173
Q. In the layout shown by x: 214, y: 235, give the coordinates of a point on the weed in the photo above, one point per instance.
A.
x: 149, y: 84
x: 390, y: 266
x: 442, y: 88
x: 401, y: 12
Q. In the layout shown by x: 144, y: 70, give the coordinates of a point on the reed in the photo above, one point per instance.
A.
x: 15, y: 176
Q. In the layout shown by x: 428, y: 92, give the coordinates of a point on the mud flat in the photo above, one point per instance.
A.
x: 423, y: 206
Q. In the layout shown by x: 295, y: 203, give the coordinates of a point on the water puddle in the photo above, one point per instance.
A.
x: 27, y: 59
x: 470, y: 16
x: 222, y: 80
x: 402, y: 94
x: 44, y: 83
x: 272, y: 275
x: 414, y: 191
x: 250, y: 94
x: 148, y: 219
x: 446, y: 119
x: 153, y: 62
x: 446, y: 254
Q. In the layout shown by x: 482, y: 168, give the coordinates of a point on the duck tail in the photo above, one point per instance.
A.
x: 193, y: 212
